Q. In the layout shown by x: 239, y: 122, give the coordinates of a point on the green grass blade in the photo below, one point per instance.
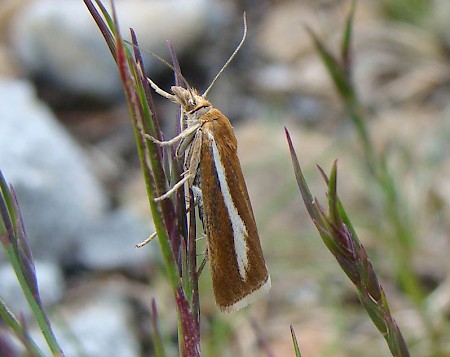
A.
x: 15, y: 243
x: 295, y: 343
x: 13, y: 323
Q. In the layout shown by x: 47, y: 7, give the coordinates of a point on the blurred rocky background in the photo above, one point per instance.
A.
x: 67, y: 147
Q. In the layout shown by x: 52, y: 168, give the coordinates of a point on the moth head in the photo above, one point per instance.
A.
x: 189, y: 99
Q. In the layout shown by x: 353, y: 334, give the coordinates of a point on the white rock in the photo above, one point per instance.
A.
x: 99, y: 327
x: 57, y: 192
x: 110, y: 243
x: 50, y: 281
x: 60, y: 41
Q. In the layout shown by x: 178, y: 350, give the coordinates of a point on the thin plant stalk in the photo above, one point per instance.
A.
x: 340, y: 237
x: 157, y: 337
x: 295, y: 343
x: 160, y: 169
x: 403, y: 239
x: 20, y: 331
x: 15, y: 244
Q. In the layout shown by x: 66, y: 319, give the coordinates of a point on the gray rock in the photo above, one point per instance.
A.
x: 50, y: 281
x: 57, y: 192
x: 60, y: 41
x: 99, y: 327
x: 110, y: 243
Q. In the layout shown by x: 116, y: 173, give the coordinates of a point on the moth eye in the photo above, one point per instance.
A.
x: 191, y: 102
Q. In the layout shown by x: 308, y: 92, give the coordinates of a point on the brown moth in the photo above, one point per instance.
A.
x: 207, y: 141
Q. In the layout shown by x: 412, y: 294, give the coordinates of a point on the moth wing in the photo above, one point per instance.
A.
x: 238, y: 269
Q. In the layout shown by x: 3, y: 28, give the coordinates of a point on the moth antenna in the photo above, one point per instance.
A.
x: 230, y: 59
x: 171, y: 67
x: 162, y: 60
x: 161, y: 91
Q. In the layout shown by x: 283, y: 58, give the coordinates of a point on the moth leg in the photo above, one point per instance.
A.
x: 148, y: 240
x: 203, y: 263
x: 173, y: 189
x: 183, y: 135
x: 198, y: 202
x: 192, y: 162
x: 198, y: 199
x: 192, y: 159
x: 184, y: 145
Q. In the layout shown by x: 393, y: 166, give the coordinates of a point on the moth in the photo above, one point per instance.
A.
x: 213, y: 171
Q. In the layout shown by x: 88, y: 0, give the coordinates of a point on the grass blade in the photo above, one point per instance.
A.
x: 15, y: 243
x: 294, y: 341
x: 351, y: 256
